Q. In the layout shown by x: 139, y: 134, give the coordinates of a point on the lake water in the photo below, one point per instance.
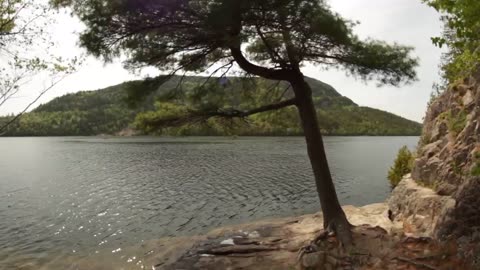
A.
x: 75, y: 196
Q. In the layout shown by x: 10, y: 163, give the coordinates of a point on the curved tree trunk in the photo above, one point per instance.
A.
x: 334, y: 217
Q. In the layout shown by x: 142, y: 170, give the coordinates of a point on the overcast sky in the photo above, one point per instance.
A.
x: 407, y: 22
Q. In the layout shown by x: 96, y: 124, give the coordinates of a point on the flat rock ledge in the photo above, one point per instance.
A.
x: 287, y: 243
x: 418, y: 209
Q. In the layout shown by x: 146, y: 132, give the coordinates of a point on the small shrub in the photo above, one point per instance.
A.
x: 457, y: 168
x: 402, y: 165
x: 456, y: 123
x: 432, y: 186
x: 424, y: 140
x: 438, y: 89
x: 476, y: 168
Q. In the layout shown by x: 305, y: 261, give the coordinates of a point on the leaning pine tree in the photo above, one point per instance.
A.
x: 271, y: 39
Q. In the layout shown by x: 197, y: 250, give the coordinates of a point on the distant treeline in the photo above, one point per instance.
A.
x: 111, y: 110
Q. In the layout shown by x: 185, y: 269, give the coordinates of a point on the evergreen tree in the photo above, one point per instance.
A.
x: 402, y: 165
x: 272, y: 39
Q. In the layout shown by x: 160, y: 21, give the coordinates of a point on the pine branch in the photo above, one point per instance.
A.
x: 196, y: 116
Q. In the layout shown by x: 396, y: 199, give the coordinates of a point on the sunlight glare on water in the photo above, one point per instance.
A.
x: 66, y: 198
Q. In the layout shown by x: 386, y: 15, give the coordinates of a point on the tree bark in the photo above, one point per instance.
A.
x: 333, y: 215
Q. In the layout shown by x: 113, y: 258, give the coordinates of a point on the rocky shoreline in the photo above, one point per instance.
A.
x: 382, y: 241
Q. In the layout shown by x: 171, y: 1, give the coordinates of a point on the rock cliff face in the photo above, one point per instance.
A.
x: 448, y: 162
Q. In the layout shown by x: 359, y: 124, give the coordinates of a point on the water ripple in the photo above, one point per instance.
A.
x: 64, y: 196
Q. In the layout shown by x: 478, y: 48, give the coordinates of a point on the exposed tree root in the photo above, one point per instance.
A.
x: 424, y: 265
x: 320, y: 237
x: 238, y: 249
x: 375, y: 249
x: 338, y: 227
x: 342, y: 230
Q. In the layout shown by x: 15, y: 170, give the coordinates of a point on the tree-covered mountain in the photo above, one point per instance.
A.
x: 116, y: 108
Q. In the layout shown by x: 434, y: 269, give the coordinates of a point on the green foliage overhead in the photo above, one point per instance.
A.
x: 460, y: 16
x: 8, y: 10
x: 22, y: 26
x: 461, y: 36
x: 106, y: 112
x: 402, y: 165
x: 192, y: 35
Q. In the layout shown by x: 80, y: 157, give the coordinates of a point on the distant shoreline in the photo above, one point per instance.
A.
x: 193, y: 136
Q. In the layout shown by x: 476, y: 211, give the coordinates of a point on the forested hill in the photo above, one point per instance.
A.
x: 110, y: 110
